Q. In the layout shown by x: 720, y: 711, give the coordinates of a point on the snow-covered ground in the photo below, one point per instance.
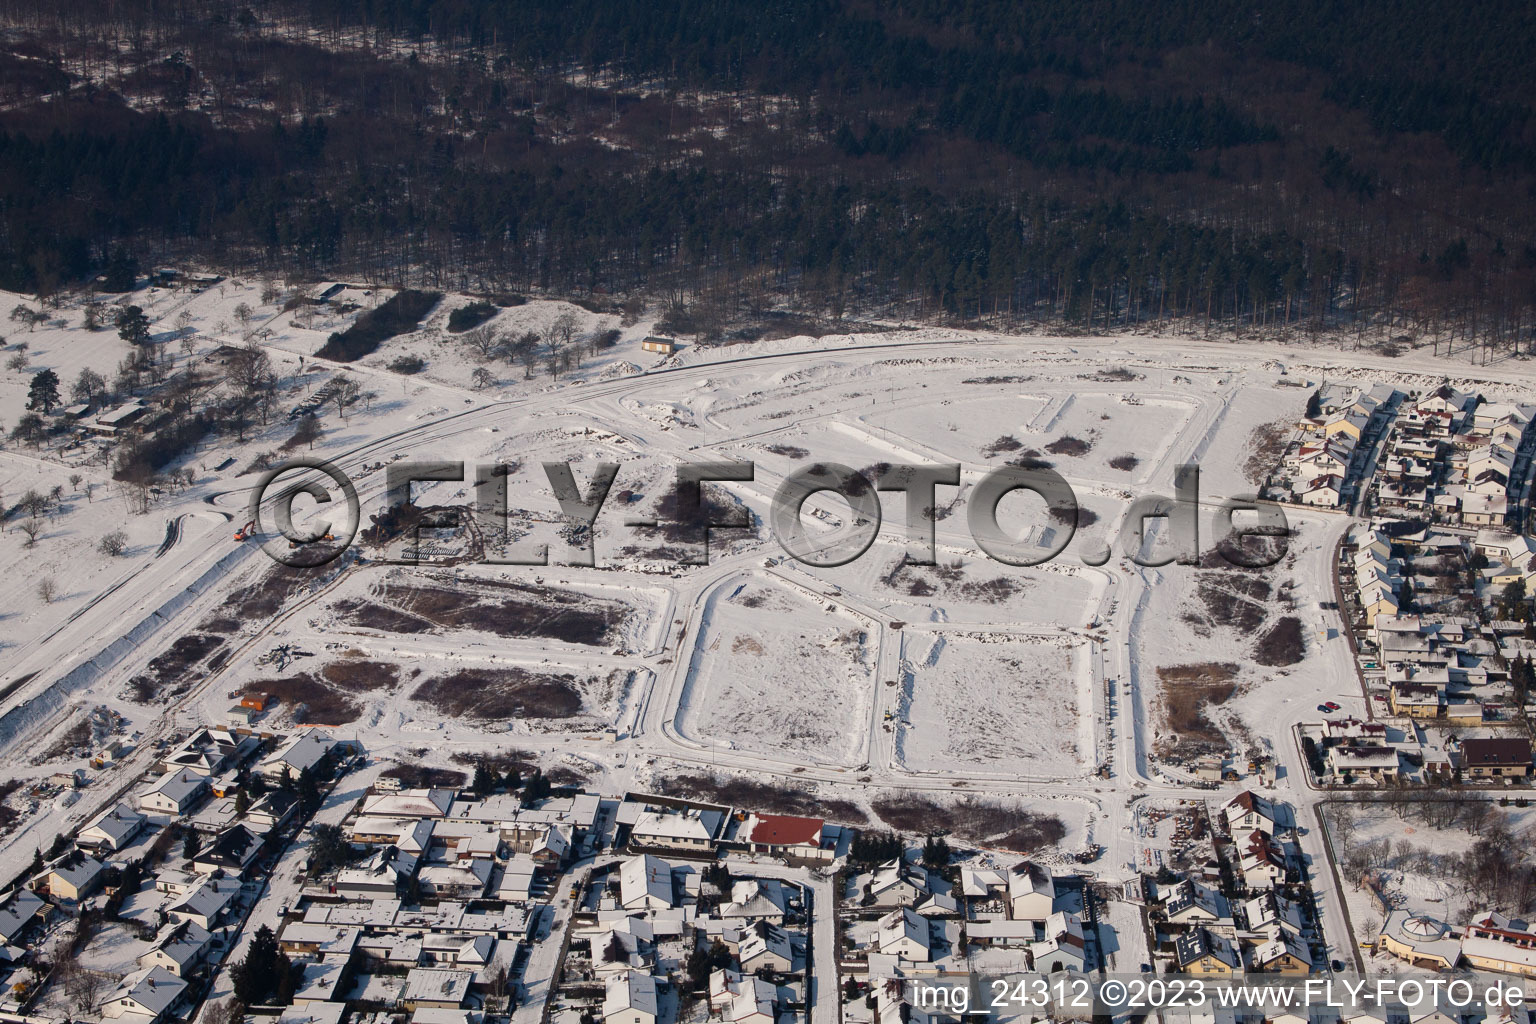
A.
x: 773, y: 671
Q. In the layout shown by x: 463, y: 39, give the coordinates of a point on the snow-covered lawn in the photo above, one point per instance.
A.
x: 776, y: 672
x: 1006, y: 703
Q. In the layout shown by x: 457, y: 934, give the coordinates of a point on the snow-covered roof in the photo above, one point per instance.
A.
x: 645, y: 879
x: 436, y: 985
x: 632, y: 990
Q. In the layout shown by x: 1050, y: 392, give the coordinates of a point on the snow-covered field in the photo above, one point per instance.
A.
x: 1013, y: 704
x: 776, y: 671
x: 751, y: 664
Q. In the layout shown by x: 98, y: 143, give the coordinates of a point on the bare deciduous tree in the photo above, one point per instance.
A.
x: 346, y: 393
x: 47, y: 589
x: 114, y: 543
x: 483, y: 341
x: 32, y: 527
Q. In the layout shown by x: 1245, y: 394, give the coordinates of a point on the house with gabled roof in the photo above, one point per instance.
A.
x: 630, y: 998
x: 206, y: 903
x: 1190, y: 901
x: 180, y: 948
x: 1202, y: 951
x: 769, y: 947
x: 232, y: 851
x: 211, y: 751
x: 898, y: 883
x: 755, y: 899
x: 1063, y: 948
x: 739, y: 999
x: 1282, y: 953
x: 73, y: 877
x: 1031, y: 892
x: 18, y: 913
x: 442, y: 988
x: 112, y: 829
x: 645, y: 883
x: 1501, y: 757
x: 1248, y: 811
x: 306, y: 751
x: 147, y: 996
x: 905, y: 933
x: 1269, y: 912
x: 175, y: 793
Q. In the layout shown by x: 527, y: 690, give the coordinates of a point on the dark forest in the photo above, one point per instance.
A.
x: 1275, y: 168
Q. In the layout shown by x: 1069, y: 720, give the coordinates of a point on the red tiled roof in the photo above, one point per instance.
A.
x: 786, y: 830
x: 1482, y: 753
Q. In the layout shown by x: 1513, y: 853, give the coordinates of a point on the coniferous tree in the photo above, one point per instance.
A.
x: 44, y: 391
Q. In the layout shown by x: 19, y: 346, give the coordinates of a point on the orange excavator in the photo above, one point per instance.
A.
x: 246, y: 532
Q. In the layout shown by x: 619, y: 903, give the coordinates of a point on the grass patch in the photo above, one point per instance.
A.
x: 420, y: 776
x: 1233, y: 600
x: 1282, y: 644
x: 361, y: 675
x: 1084, y: 517
x: 174, y: 666
x: 788, y: 451
x: 487, y: 694
x: 514, y: 610
x: 1189, y: 691
x: 749, y: 794
x: 311, y: 701
x: 1006, y: 443
x: 1265, y: 447
x: 1069, y: 445
x: 266, y: 597
x: 976, y: 821
x: 1124, y: 463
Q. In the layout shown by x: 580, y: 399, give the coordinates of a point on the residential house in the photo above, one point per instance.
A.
x: 206, y: 903
x: 685, y: 828
x: 630, y: 998
x: 74, y: 877
x: 1248, y: 811
x: 147, y: 996
x: 1063, y: 948
x: 1202, y: 951
x: 306, y: 751
x: 1283, y: 953
x: 437, y: 987
x: 180, y: 948
x: 783, y: 835
x: 905, y: 933
x: 232, y: 851
x: 1031, y: 892
x: 1191, y: 901
x: 898, y: 883
x: 18, y: 912
x: 1496, y: 758
x: 645, y: 883
x: 112, y: 829
x: 175, y: 793
x: 768, y: 947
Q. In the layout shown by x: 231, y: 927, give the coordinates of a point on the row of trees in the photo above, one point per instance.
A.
x: 559, y: 349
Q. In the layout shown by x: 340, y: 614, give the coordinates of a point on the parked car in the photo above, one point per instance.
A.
x: 1334, y: 705
x: 1323, y: 708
